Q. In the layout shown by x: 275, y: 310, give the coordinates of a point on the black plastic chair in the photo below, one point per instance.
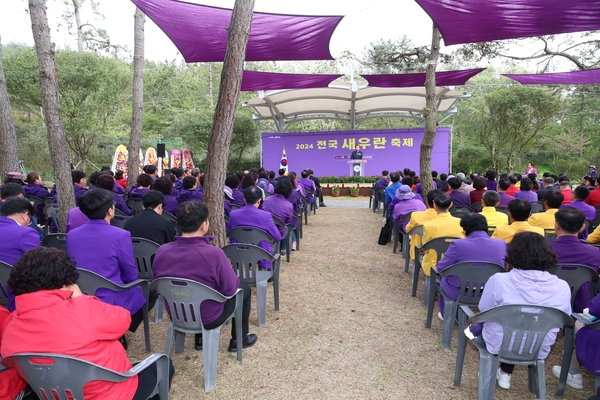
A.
x: 525, y: 326
x: 473, y: 275
x: 56, y: 240
x: 288, y: 237
x: 135, y: 205
x: 235, y: 207
x: 304, y: 207
x: 173, y: 219
x: 119, y: 221
x: 417, y: 230
x: 89, y: 282
x: 537, y: 207
x: 244, y: 259
x: 399, y: 231
x: 377, y: 204
x: 51, y: 212
x: 312, y: 205
x: 503, y: 210
x: 549, y: 234
x: 4, y: 275
x: 477, y: 207
x: 51, y: 375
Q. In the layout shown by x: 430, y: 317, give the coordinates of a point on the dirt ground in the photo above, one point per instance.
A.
x: 347, y: 328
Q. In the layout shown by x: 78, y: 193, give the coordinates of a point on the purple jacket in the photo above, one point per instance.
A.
x: 478, y: 246
x: 252, y: 216
x: 278, y: 206
x: 107, y: 251
x: 16, y: 240
x: 118, y: 189
x: 120, y: 204
x: 504, y: 199
x: 137, y: 192
x: 491, y: 185
x: 589, y: 211
x: 238, y: 197
x: 571, y: 251
x: 265, y: 185
x: 528, y: 195
x: 588, y: 342
x: 460, y: 199
x: 381, y: 183
x: 523, y: 287
x: 171, y: 205
x: 79, y: 191
x: 308, y: 184
x: 295, y: 200
x: 192, y: 257
x: 404, y: 207
x: 75, y: 218
x: 32, y: 189
x: 187, y: 195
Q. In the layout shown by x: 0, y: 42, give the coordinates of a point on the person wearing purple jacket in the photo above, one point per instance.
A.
x: 569, y: 249
x: 477, y: 246
x: 579, y: 195
x: 251, y: 215
x: 526, y: 193
x: 191, y: 256
x: 107, y: 182
x: 528, y: 256
x: 142, y: 185
x: 79, y: 182
x: 382, y: 183
x: 233, y: 182
x: 307, y: 184
x: 190, y: 190
x: 33, y: 187
x: 503, y: 185
x: 459, y: 199
x: 75, y: 218
x: 490, y: 180
x: 263, y: 183
x: 406, y: 204
x: 108, y: 251
x: 165, y: 186
x: 279, y: 206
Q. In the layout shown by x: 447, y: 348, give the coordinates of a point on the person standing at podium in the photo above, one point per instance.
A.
x: 356, y: 155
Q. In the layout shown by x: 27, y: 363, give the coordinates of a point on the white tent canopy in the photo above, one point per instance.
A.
x: 348, y: 103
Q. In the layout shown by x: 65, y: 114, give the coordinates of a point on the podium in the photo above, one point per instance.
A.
x: 357, y: 167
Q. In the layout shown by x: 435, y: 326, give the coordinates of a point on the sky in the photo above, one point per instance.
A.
x: 364, y: 22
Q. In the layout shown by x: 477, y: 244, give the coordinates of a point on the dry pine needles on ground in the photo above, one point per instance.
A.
x: 347, y: 328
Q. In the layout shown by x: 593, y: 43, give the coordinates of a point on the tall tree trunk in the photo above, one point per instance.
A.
x: 9, y: 152
x: 76, y: 7
x: 57, y: 141
x: 430, y: 113
x: 133, y: 161
x: 222, y: 131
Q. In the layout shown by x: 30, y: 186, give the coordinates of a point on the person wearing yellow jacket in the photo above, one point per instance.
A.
x: 545, y: 220
x: 518, y: 212
x: 419, y: 218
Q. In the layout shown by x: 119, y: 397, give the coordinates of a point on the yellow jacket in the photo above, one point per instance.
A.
x: 443, y: 225
x: 507, y: 232
x: 418, y: 218
x: 544, y: 220
x: 493, y: 217
x: 594, y: 237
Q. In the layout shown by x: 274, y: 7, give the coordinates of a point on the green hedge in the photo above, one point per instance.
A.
x: 348, y: 179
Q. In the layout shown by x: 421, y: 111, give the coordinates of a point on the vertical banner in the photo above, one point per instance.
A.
x: 328, y: 153
x: 284, y: 161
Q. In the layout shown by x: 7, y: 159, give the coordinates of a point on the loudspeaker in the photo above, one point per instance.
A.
x: 160, y: 150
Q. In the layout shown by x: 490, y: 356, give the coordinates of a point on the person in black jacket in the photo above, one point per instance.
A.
x: 149, y: 224
x: 319, y: 192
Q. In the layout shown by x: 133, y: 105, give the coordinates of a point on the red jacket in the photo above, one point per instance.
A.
x: 48, y: 321
x: 10, y: 383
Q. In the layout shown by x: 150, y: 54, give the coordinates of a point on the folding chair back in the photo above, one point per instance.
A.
x: 288, y: 238
x: 135, y: 204
x: 4, y: 275
x: 144, y: 251
x: 119, y: 221
x: 537, y: 207
x: 576, y: 275
x: 56, y: 240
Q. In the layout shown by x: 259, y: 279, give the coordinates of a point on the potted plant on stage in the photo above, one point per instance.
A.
x: 354, y: 191
x: 335, y: 191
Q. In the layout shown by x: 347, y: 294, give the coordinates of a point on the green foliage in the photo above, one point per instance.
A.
x: 348, y: 179
x: 470, y: 159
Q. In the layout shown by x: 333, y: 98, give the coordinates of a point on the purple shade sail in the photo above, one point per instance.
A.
x: 472, y: 21
x: 255, y: 81
x: 200, y: 32
x: 588, y: 77
x: 444, y: 78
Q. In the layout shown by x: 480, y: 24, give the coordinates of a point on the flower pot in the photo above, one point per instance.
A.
x: 335, y: 194
x: 353, y: 194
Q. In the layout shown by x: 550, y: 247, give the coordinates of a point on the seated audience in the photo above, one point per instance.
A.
x: 528, y: 256
x: 107, y: 182
x: 526, y: 192
x: 489, y: 202
x: 518, y: 212
x: 381, y: 183
x: 548, y: 183
x: 75, y: 218
x: 251, y: 215
x: 407, y: 203
x: 233, y: 182
x: 418, y: 218
x: 34, y: 188
x: 272, y: 179
x: 390, y: 191
x: 143, y: 183
x: 308, y: 184
x: 512, y: 189
x: 279, y: 206
x: 579, y: 195
x: 490, y: 182
x: 79, y: 182
x: 465, y: 185
x: 192, y: 256
x: 567, y: 191
x: 120, y: 179
x: 14, y: 190
x: 594, y: 197
x: 545, y: 220
x: 108, y: 251
x: 444, y: 224
x: 478, y: 190
x: 190, y: 190
x: 458, y: 198
x: 503, y: 185
x: 149, y: 224
x: 319, y: 192
x: 477, y: 246
x: 570, y: 250
x: 67, y: 322
x: 165, y: 186
x: 263, y: 182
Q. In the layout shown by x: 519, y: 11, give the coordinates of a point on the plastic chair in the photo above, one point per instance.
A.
x: 119, y: 221
x: 144, y: 251
x: 473, y: 275
x: 503, y: 210
x: 460, y: 210
x: 288, y: 237
x: 491, y: 230
x: 253, y: 235
x: 440, y: 245
x: 135, y: 204
x: 304, y: 207
x: 57, y: 376
x: 529, y: 324
x: 244, y: 260
x: 576, y: 275
x: 378, y: 203
x: 183, y: 298
x: 549, y: 234
x: 537, y: 207
x: 4, y: 275
x: 51, y: 212
x: 235, y: 207
x: 417, y: 230
x: 298, y: 217
x: 399, y: 230
x: 477, y: 207
x: 312, y: 205
x: 89, y: 282
x: 56, y: 240
x: 119, y: 213
x: 173, y: 219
